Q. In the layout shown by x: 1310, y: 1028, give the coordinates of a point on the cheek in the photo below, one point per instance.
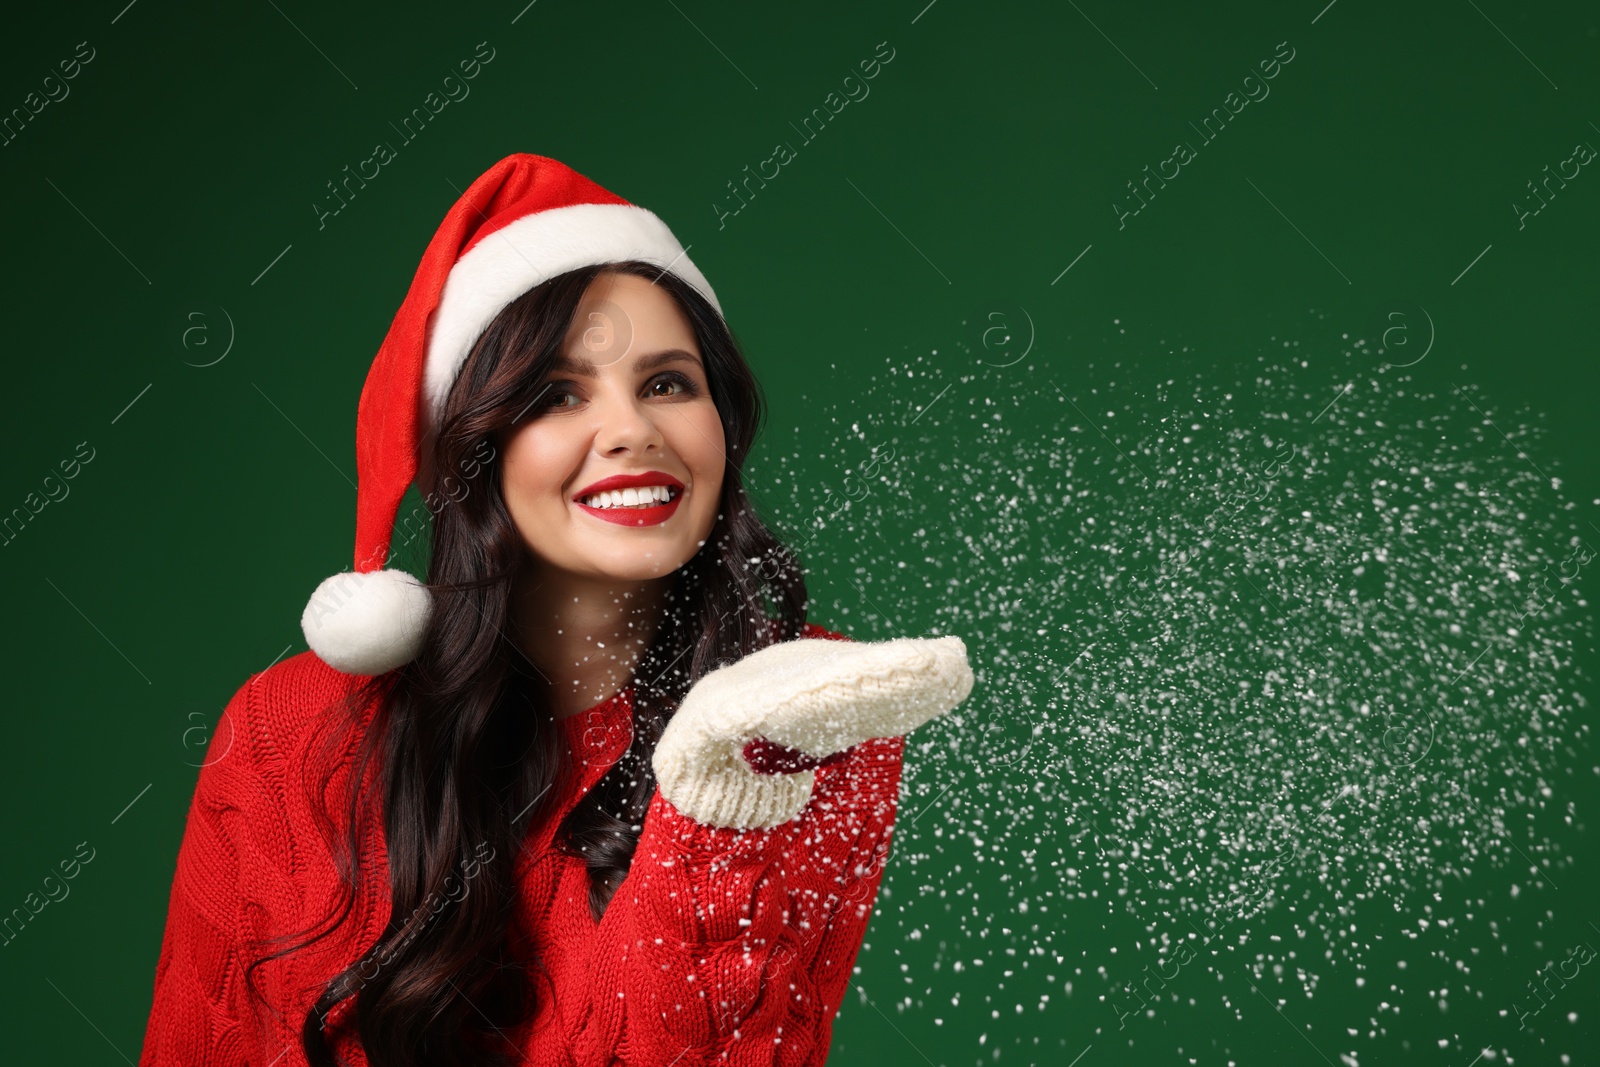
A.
x: 531, y: 473
x: 708, y: 447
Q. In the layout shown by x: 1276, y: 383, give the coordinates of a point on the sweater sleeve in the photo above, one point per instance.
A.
x: 728, y: 946
x: 194, y: 1020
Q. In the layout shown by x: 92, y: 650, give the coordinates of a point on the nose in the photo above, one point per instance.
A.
x: 625, y: 425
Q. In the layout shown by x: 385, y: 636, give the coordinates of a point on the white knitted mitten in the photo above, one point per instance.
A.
x: 816, y: 696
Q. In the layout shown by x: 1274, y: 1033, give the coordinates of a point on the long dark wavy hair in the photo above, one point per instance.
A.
x: 466, y: 748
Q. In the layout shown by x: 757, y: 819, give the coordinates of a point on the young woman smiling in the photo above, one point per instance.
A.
x: 596, y: 792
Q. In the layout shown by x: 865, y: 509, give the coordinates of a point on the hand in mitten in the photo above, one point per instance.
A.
x: 741, y: 749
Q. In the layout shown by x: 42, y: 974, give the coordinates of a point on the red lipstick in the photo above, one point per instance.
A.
x: 633, y: 515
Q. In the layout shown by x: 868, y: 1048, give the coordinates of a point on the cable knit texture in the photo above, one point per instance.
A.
x: 720, y: 946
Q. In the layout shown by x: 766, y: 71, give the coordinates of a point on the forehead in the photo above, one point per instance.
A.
x: 582, y: 366
x: 626, y: 321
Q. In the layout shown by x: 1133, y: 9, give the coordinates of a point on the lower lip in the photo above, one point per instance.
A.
x: 651, y: 516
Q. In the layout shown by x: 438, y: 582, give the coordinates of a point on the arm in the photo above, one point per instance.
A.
x: 193, y: 1020
x: 732, y: 938
x: 730, y: 946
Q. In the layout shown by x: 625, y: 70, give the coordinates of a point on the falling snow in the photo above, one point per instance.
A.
x: 1260, y: 659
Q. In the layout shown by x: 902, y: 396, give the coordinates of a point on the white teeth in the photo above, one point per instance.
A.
x: 644, y: 496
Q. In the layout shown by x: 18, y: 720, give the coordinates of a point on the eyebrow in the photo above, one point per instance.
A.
x: 586, y: 369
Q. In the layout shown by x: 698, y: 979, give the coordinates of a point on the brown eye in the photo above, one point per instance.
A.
x: 683, y: 382
x: 550, y: 400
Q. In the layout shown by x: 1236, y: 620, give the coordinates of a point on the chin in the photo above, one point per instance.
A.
x: 636, y: 570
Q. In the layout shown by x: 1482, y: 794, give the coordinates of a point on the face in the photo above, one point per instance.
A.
x: 630, y: 397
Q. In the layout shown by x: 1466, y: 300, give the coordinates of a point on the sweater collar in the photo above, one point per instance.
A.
x: 598, y: 736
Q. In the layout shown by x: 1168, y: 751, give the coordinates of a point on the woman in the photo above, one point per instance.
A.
x: 596, y: 793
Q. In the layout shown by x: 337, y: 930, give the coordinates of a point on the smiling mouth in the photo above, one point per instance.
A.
x: 641, y: 499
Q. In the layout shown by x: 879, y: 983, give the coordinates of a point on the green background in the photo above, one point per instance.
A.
x: 985, y: 160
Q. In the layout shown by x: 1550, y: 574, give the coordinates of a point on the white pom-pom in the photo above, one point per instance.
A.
x: 367, y: 623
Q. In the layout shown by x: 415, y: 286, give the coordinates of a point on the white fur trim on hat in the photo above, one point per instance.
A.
x: 367, y: 623
x: 535, y: 248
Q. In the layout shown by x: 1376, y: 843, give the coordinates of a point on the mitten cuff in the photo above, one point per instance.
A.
x: 715, y: 786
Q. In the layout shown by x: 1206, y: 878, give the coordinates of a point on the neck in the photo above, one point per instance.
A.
x: 585, y: 635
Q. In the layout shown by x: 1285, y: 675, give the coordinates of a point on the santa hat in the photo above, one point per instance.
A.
x: 526, y: 220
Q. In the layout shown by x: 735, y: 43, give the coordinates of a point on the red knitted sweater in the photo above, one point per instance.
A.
x: 720, y: 946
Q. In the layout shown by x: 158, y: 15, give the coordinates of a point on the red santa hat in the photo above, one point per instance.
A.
x: 526, y: 220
